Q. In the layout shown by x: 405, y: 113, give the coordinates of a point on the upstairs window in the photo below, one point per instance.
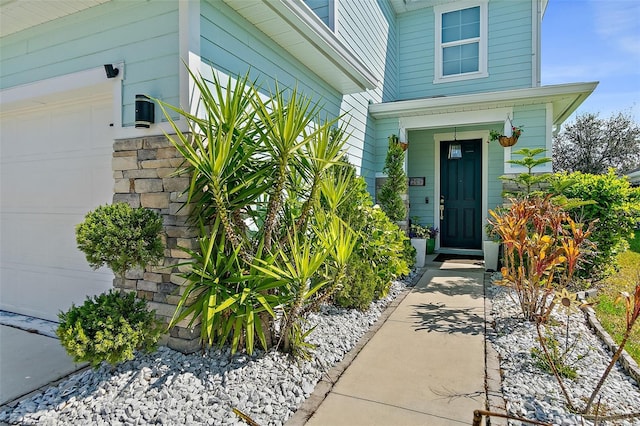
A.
x: 461, y: 42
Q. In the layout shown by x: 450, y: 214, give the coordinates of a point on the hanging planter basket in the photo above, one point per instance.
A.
x: 507, y: 141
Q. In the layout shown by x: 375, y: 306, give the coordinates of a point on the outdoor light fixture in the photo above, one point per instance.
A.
x: 144, y: 111
x: 111, y: 71
x: 455, y: 151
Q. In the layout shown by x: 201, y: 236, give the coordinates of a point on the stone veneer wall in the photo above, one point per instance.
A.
x: 142, y: 169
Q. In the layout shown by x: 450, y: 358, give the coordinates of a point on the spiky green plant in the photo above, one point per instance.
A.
x: 257, y: 166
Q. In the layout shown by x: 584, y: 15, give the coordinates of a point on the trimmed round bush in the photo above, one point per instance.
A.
x: 121, y: 237
x: 108, y: 327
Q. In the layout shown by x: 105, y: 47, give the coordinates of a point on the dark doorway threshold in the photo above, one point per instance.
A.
x: 468, y: 259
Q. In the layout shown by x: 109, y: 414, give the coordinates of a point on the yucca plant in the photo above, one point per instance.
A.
x: 257, y: 165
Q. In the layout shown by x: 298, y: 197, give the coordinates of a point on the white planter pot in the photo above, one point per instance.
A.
x: 420, y: 244
x: 490, y: 250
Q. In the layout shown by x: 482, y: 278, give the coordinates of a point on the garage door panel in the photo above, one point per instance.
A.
x: 22, y: 135
x: 47, y: 294
x: 42, y: 240
x: 57, y: 185
x: 60, y: 170
x: 76, y: 125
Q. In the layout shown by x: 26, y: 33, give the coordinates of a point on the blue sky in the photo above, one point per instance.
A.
x: 595, y: 40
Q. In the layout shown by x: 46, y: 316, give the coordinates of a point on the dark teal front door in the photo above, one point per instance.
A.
x: 461, y: 196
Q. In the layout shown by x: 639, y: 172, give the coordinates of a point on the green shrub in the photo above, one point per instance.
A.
x: 120, y: 237
x: 616, y: 209
x: 359, y: 286
x: 409, y: 253
x: 109, y: 327
x: 384, y: 249
x: 396, y: 183
x: 383, y: 252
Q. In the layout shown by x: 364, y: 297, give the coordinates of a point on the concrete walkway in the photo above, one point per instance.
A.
x: 426, y: 363
x: 29, y: 361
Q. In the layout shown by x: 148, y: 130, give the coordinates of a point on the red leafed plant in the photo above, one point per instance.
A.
x: 543, y: 247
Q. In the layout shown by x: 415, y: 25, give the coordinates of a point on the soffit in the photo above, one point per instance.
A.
x: 18, y: 15
x: 298, y: 30
x: 401, y: 6
x: 566, y: 98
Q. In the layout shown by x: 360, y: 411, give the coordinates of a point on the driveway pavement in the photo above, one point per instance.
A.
x: 29, y: 361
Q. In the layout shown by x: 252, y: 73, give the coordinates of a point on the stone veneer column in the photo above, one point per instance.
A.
x: 142, y: 169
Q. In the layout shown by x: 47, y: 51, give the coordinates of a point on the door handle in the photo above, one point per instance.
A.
x: 441, y: 207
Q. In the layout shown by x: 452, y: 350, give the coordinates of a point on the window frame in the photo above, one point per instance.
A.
x: 482, y: 41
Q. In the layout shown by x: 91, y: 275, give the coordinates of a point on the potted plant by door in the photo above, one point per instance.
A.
x: 419, y: 239
x: 491, y: 249
x: 431, y: 242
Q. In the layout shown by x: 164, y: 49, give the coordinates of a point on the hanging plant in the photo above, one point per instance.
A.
x: 509, y: 135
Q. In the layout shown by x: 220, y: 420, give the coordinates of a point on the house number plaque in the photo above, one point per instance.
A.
x: 416, y: 181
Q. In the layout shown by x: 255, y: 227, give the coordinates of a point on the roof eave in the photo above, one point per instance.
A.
x: 297, y: 29
x: 16, y: 16
x: 565, y: 97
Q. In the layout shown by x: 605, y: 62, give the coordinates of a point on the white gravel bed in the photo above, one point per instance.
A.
x: 171, y: 388
x: 534, y: 394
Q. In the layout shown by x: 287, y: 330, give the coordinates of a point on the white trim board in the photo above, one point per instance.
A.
x: 80, y: 86
x: 454, y: 119
x: 64, y: 88
x: 482, y: 41
x: 565, y: 97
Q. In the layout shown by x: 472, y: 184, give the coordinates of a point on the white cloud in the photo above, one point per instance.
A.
x: 618, y: 22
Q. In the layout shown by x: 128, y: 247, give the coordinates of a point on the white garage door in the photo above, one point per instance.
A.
x: 55, y: 166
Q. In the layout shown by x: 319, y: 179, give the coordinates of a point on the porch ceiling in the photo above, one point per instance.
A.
x: 18, y: 15
x: 297, y: 29
x: 566, y: 98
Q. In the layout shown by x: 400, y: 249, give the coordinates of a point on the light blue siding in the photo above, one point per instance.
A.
x: 533, y: 121
x: 234, y: 46
x: 421, y: 162
x: 371, y: 32
x: 384, y: 128
x: 495, y: 169
x: 322, y: 9
x: 142, y: 34
x: 509, y: 52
